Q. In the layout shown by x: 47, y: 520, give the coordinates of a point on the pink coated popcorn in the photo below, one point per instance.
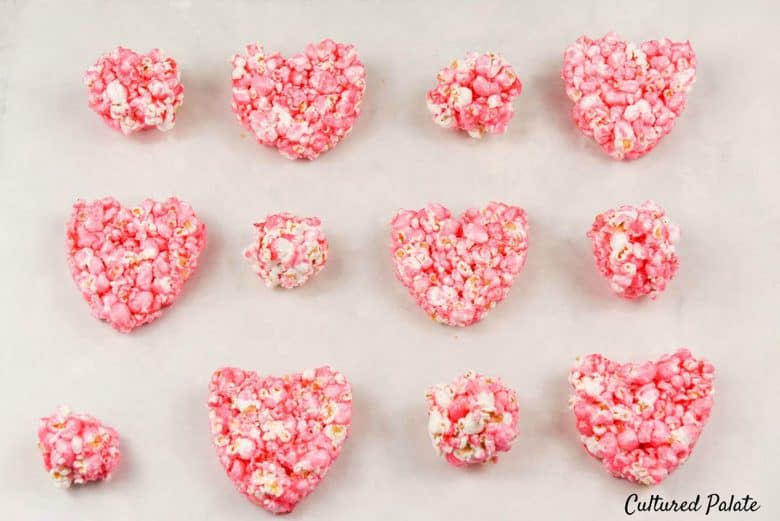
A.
x: 77, y: 448
x: 288, y: 250
x: 302, y: 105
x: 472, y: 419
x: 130, y: 263
x: 458, y: 269
x: 475, y: 94
x: 634, y: 249
x: 641, y: 420
x: 627, y: 96
x: 277, y: 436
x: 132, y: 91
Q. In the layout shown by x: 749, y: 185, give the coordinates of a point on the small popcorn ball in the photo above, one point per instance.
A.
x: 634, y: 249
x: 472, y: 419
x: 133, y: 91
x: 457, y: 269
x: 131, y: 263
x: 277, y: 437
x: 303, y: 105
x: 475, y: 95
x: 626, y: 96
x: 77, y: 448
x: 641, y: 421
x: 288, y: 251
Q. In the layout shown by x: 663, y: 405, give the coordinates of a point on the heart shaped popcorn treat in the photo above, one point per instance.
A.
x: 288, y: 250
x: 641, y: 420
x: 130, y: 263
x: 626, y: 96
x: 133, y: 91
x: 457, y: 269
x: 303, y: 105
x: 472, y: 419
x: 475, y: 95
x: 278, y: 436
x: 77, y: 448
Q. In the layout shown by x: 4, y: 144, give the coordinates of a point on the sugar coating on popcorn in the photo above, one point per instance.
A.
x: 634, y: 247
x: 472, y: 419
x: 475, y: 94
x: 133, y: 91
x: 627, y: 96
x: 77, y: 448
x: 277, y: 436
x: 131, y: 263
x: 302, y: 105
x: 288, y: 250
x: 457, y: 269
x: 641, y: 420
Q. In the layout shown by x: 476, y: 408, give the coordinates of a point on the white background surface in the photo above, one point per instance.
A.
x: 716, y: 174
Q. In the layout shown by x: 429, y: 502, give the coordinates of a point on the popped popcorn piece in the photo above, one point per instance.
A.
x: 458, y: 269
x: 77, y: 448
x: 133, y: 91
x: 288, y: 250
x: 472, y: 419
x: 130, y: 263
x: 302, y: 105
x: 475, y: 94
x: 277, y: 437
x: 641, y: 420
x: 626, y: 96
x: 634, y: 249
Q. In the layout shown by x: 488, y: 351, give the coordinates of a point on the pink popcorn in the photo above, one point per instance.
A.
x: 277, y: 436
x: 77, y: 448
x: 634, y: 248
x: 130, y: 263
x: 288, y: 250
x: 302, y: 105
x: 132, y: 91
x: 627, y: 96
x: 641, y: 420
x: 475, y: 94
x: 472, y: 419
x: 458, y: 269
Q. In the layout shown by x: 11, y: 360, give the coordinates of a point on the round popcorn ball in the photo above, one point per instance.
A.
x: 627, y: 96
x: 641, y: 420
x: 472, y: 419
x: 634, y: 248
x: 133, y: 91
x: 77, y: 448
x: 288, y: 251
x: 475, y: 94
x: 303, y: 105
x: 131, y: 263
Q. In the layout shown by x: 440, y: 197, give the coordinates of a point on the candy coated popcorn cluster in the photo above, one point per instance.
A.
x: 132, y: 91
x: 627, y: 97
x: 302, y: 105
x: 634, y: 248
x: 475, y: 94
x: 458, y: 269
x: 277, y: 436
x: 288, y: 250
x: 472, y: 419
x: 641, y: 420
x: 77, y: 448
x: 130, y: 263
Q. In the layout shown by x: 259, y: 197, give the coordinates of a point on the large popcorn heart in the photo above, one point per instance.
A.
x: 277, y: 436
x: 641, y: 420
x: 130, y: 263
x: 458, y: 269
x: 302, y: 105
x: 627, y: 97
